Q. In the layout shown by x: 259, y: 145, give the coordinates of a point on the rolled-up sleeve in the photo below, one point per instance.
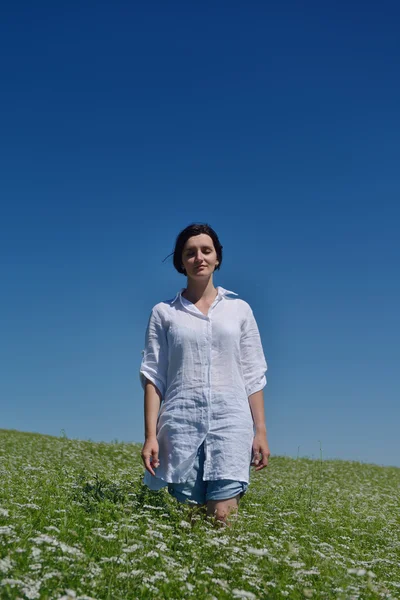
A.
x: 154, y: 363
x: 254, y: 365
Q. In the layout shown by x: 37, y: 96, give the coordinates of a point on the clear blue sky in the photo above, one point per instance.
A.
x: 276, y: 123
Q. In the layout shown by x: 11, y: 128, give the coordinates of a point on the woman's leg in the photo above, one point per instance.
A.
x: 223, y: 497
x: 222, y: 509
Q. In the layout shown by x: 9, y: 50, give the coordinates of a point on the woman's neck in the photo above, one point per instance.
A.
x: 196, y: 290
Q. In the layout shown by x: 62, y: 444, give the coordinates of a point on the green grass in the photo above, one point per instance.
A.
x: 77, y: 522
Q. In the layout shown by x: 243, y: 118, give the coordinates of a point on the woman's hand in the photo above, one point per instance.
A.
x: 261, y: 451
x: 150, y: 451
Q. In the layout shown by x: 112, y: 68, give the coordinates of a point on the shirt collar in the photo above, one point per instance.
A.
x: 221, y: 292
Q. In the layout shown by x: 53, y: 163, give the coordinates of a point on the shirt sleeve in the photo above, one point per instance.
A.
x: 254, y: 365
x: 155, y: 354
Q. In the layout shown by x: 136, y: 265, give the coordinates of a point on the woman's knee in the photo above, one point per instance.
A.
x: 222, y: 509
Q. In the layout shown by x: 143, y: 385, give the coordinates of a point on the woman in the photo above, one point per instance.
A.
x: 204, y: 364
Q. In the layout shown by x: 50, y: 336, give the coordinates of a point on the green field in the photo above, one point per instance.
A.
x: 76, y: 522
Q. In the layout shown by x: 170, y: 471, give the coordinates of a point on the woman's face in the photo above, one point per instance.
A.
x: 199, y: 256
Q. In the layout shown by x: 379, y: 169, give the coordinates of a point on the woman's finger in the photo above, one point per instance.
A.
x: 147, y: 464
x: 263, y: 463
x: 257, y: 456
x: 155, y: 460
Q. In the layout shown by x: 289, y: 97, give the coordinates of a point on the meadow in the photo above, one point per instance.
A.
x: 76, y: 523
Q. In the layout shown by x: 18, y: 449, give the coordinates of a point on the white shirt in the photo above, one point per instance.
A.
x: 205, y: 367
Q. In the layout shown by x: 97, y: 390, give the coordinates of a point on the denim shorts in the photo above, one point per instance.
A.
x: 197, y: 491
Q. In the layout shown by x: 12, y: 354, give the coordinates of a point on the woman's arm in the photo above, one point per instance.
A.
x: 260, y: 442
x: 254, y: 366
x: 153, y: 377
x: 256, y: 402
x: 152, y: 402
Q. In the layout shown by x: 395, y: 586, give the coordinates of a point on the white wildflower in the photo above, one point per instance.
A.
x: 154, y: 533
x: 359, y: 572
x: 107, y: 536
x: 152, y: 554
x: 35, y: 566
x: 243, y: 594
x: 70, y: 549
x: 326, y: 545
x: 6, y: 529
x: 257, y: 551
x: 51, y: 575
x: 70, y: 595
x: 154, y: 577
x: 184, y: 524
x: 113, y: 559
x: 224, y: 584
x: 31, y: 589
x: 313, y: 571
x: 162, y: 546
x: 11, y: 582
x: 36, y: 552
x: 31, y: 505
x: 47, y: 539
x: 223, y: 565
x: 44, y: 539
x: 132, y: 548
x: 5, y: 564
x: 223, y: 539
x: 3, y: 512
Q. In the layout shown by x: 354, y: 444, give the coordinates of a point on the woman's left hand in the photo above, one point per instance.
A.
x: 261, y: 451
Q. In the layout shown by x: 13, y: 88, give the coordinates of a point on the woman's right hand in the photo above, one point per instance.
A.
x: 150, y: 451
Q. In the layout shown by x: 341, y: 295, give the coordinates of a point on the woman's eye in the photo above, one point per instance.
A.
x: 205, y: 252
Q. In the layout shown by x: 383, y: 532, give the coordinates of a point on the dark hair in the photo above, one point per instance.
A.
x: 185, y: 234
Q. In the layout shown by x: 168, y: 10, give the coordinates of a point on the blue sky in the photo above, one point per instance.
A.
x: 276, y: 124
